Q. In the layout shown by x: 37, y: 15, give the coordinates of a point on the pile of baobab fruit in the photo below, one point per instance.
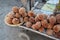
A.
x: 39, y: 22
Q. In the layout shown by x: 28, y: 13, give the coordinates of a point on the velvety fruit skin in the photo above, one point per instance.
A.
x: 11, y: 15
x: 58, y: 18
x: 56, y: 28
x: 41, y: 29
x: 41, y: 16
x: 32, y: 19
x: 26, y: 19
x: 22, y: 10
x: 33, y: 27
x: 9, y: 20
x: 15, y: 21
x: 36, y: 19
x: 24, y: 14
x: 57, y: 35
x: 36, y: 26
x: 15, y: 9
x: 50, y: 26
x: 31, y: 14
x: 49, y: 32
x: 52, y: 20
x: 21, y: 19
x: 17, y: 15
x: 28, y: 24
x: 44, y: 23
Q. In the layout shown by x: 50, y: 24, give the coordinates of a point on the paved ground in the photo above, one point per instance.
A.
x: 9, y: 33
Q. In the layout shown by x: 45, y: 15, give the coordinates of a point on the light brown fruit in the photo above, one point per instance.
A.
x: 28, y: 24
x: 37, y: 27
x: 52, y: 20
x: 11, y: 15
x: 31, y: 14
x: 26, y: 19
x: 8, y: 20
x: 22, y: 10
x: 41, y: 29
x: 50, y: 26
x: 41, y: 17
x: 17, y: 15
x: 36, y: 19
x: 56, y: 28
x: 15, y: 21
x: 15, y: 9
x: 44, y: 23
x: 58, y: 18
x: 57, y: 34
x: 49, y: 32
x: 24, y: 14
x: 38, y: 24
x: 33, y: 26
x: 21, y: 19
x: 32, y: 19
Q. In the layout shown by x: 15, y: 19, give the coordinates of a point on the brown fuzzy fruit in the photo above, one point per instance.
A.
x: 15, y: 9
x: 37, y: 27
x: 21, y: 19
x: 33, y: 26
x: 24, y: 14
x: 49, y: 32
x: 44, y: 23
x: 52, y: 20
x: 56, y: 28
x: 26, y: 19
x: 36, y: 19
x: 15, y: 21
x: 50, y: 26
x: 57, y: 34
x: 11, y: 15
x: 38, y: 24
x: 28, y: 24
x: 22, y: 10
x: 41, y: 29
x: 31, y: 14
x: 41, y: 17
x: 32, y: 19
x: 17, y: 15
x: 58, y: 18
x: 9, y: 20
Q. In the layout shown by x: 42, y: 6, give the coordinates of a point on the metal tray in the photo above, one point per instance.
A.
x: 52, y: 37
